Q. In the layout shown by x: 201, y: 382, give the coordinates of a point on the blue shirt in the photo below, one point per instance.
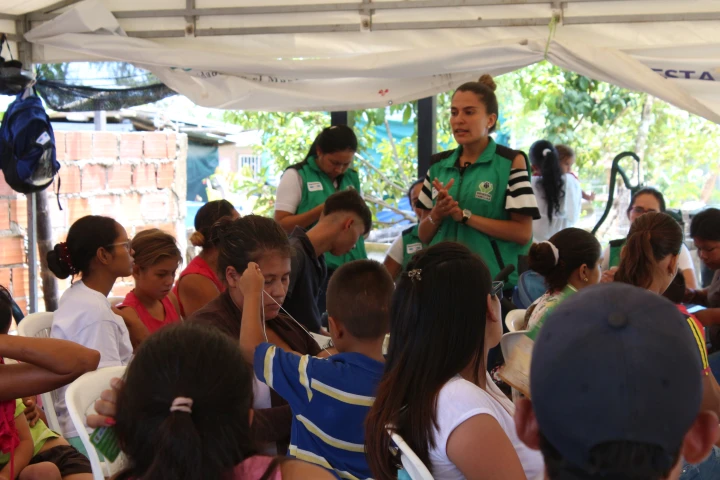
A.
x: 330, y: 398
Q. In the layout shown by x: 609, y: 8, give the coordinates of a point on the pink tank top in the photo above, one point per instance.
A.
x: 254, y: 468
x: 152, y: 323
x: 197, y: 266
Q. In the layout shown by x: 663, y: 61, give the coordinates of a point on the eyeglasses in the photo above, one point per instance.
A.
x: 497, y: 290
x: 643, y: 211
x: 125, y: 244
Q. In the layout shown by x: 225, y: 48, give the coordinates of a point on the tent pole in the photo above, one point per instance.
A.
x: 427, y: 133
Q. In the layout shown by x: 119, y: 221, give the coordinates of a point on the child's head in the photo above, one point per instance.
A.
x: 157, y: 258
x: 185, y: 361
x: 93, y: 242
x: 349, y: 212
x: 208, y: 215
x: 6, y: 305
x: 358, y: 302
x: 570, y: 256
x: 566, y: 157
x: 705, y: 232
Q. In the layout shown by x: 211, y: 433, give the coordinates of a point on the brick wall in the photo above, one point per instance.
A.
x: 137, y: 178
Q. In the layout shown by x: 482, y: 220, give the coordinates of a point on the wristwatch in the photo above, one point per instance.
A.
x: 466, y: 215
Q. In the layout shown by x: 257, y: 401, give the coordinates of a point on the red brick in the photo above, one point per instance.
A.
x: 144, y: 176
x: 20, y: 282
x: 171, y: 145
x: 155, y: 145
x: 18, y: 211
x: 70, y: 179
x: 105, y: 145
x: 156, y: 207
x: 166, y: 175
x: 93, y: 178
x: 78, y: 208
x: 4, y: 214
x: 130, y: 211
x: 120, y: 176
x: 5, y: 277
x: 12, y: 250
x: 131, y: 145
x: 60, y: 146
x: 5, y: 189
x: 78, y: 145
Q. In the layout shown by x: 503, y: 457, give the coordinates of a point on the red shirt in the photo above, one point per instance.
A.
x: 152, y: 323
x: 197, y: 266
x: 698, y: 332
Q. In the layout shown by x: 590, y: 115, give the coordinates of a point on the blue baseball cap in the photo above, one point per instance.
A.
x: 615, y: 363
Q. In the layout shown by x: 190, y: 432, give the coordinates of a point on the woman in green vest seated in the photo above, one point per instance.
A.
x: 408, y: 243
x: 644, y: 201
x: 305, y: 186
x: 480, y: 193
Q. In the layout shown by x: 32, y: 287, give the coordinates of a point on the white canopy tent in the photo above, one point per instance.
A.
x: 342, y: 54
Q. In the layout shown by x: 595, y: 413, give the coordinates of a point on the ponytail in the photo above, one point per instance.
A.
x: 652, y: 237
x: 544, y: 155
x: 565, y: 252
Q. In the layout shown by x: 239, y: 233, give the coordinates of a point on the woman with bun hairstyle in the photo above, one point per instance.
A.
x: 480, y: 193
x: 98, y: 249
x: 569, y: 261
x: 558, y: 194
x: 198, y: 283
x: 151, y: 305
x: 261, y: 240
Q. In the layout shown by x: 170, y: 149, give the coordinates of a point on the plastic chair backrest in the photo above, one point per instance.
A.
x: 515, y: 319
x: 114, y: 301
x: 80, y: 399
x: 509, y: 340
x: 410, y: 461
x: 38, y: 325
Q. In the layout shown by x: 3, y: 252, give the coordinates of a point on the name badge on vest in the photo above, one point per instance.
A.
x: 314, y: 186
x: 413, y: 248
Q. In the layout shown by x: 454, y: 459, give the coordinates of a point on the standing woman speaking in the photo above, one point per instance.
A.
x: 480, y: 193
x: 305, y: 186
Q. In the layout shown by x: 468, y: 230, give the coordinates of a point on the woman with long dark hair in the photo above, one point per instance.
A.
x: 435, y: 391
x: 558, y: 194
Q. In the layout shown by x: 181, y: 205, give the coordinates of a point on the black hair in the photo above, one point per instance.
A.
x: 576, y: 247
x: 706, y: 225
x: 484, y: 88
x: 185, y: 360
x: 358, y: 295
x: 545, y: 157
x: 437, y: 328
x: 6, y: 306
x: 206, y: 217
x: 84, y: 238
x: 647, y: 191
x: 617, y: 460
x: 337, y: 138
x: 412, y: 187
x: 246, y: 240
x: 349, y: 200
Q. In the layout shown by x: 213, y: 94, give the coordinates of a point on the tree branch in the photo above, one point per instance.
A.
x: 397, y: 186
x: 381, y: 203
x: 395, y: 153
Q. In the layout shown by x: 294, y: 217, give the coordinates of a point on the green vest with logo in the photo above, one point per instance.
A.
x: 317, y: 187
x: 616, y: 247
x: 481, y: 189
x: 411, y: 244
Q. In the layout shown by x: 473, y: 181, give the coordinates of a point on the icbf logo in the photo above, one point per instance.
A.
x: 484, y: 191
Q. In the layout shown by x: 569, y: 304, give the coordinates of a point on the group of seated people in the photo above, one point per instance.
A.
x: 225, y: 380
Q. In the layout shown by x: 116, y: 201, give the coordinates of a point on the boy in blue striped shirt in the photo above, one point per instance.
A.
x: 329, y: 397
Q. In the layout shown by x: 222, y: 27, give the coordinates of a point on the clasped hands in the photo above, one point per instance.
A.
x: 445, y: 204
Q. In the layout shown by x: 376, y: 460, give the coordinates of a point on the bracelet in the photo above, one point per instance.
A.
x: 431, y: 219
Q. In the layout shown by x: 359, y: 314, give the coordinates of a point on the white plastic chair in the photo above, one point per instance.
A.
x: 114, y: 301
x: 508, y: 341
x: 515, y: 319
x: 410, y: 461
x: 80, y: 399
x: 38, y: 325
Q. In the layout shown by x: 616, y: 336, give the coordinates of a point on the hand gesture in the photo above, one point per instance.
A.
x: 252, y: 280
x: 32, y: 414
x: 106, y: 406
x: 456, y: 214
x: 608, y: 276
x: 444, y: 203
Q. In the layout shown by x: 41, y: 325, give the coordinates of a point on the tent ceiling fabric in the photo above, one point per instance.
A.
x: 342, y: 54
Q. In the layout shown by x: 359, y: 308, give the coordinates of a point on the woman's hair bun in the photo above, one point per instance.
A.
x: 197, y: 239
x: 487, y: 80
x: 56, y: 265
x: 541, y: 258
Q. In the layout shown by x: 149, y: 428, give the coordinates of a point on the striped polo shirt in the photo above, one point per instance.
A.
x: 330, y: 399
x: 698, y: 332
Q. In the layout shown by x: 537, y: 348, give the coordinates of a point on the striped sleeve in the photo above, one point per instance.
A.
x: 425, y: 199
x: 520, y: 197
x: 698, y: 332
x: 284, y: 372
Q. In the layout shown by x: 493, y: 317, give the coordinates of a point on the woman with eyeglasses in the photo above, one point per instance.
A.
x: 305, y: 186
x: 645, y: 200
x: 97, y: 250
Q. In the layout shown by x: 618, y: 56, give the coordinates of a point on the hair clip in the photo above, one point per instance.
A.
x: 415, y: 274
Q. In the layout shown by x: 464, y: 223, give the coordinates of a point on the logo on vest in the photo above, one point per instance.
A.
x: 315, y: 186
x: 484, y: 191
x: 413, y: 248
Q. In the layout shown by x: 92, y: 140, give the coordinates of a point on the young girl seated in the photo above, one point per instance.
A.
x: 436, y: 392
x: 569, y: 261
x: 185, y: 412
x: 151, y: 305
